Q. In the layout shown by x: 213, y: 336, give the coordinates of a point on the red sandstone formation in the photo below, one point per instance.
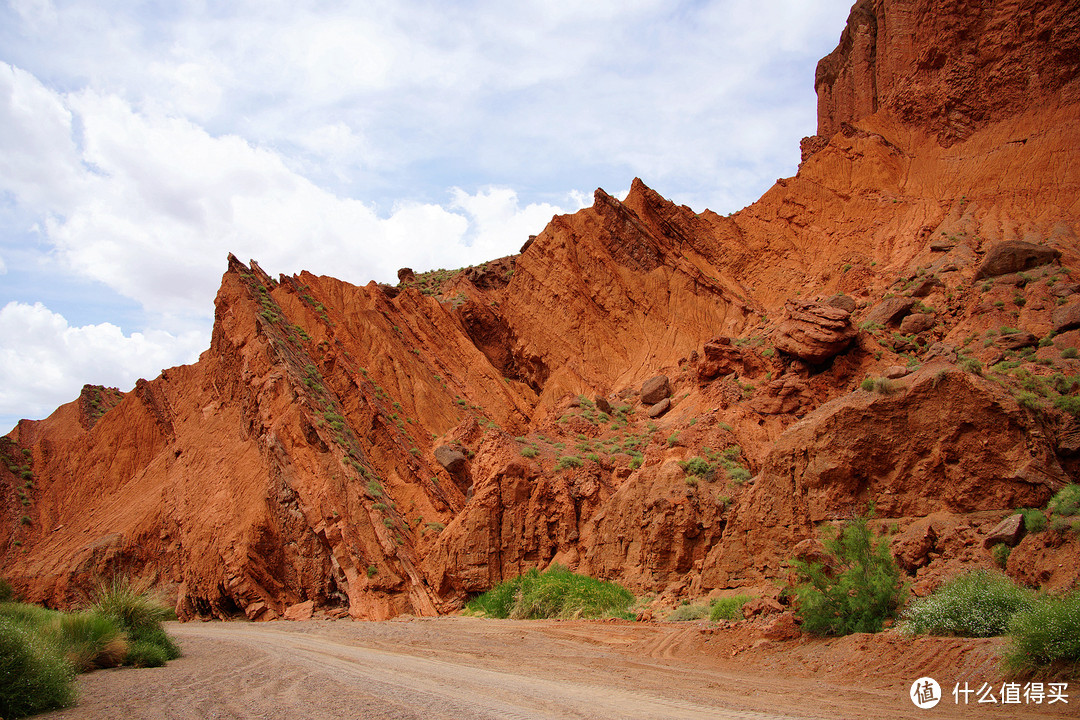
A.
x: 382, y: 450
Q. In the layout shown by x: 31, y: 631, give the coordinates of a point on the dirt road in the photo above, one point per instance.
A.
x: 467, y: 668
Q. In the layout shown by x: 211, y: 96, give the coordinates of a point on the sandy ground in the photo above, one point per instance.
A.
x: 469, y: 668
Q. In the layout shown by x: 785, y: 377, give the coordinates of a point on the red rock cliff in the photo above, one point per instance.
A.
x: 382, y: 450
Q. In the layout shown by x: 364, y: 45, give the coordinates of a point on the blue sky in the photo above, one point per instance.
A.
x: 142, y: 142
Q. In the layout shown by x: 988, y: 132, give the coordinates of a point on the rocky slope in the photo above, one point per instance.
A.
x: 382, y: 450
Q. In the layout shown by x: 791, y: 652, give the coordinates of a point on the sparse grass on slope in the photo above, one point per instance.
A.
x: 555, y: 593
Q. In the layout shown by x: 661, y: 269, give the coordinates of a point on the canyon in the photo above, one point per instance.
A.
x: 678, y: 401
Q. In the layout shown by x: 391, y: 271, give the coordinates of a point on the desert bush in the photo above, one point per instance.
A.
x: 555, y: 593
x: 33, y: 676
x: 137, y: 612
x: 87, y: 640
x: 685, y: 613
x: 1001, y: 554
x: 146, y: 655
x: 1066, y: 501
x: 881, y: 385
x: 970, y: 365
x: 569, y: 461
x: 696, y: 466
x: 729, y: 608
x: 1034, y: 519
x: 858, y: 592
x: 1046, y: 636
x: 1069, y: 352
x: 529, y: 451
x: 979, y: 603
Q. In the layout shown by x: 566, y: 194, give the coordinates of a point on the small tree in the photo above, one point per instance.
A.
x: 855, y: 593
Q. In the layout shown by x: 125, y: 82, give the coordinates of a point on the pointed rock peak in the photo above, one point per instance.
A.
x: 235, y: 266
x: 600, y: 197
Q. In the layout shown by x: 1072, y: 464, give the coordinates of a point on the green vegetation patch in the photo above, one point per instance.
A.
x: 729, y: 608
x: 1044, y: 637
x: 555, y: 593
x: 979, y: 603
x: 856, y: 592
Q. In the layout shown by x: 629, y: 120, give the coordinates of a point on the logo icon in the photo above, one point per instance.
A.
x: 925, y: 693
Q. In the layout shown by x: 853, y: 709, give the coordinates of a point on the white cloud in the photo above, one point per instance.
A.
x: 44, y: 362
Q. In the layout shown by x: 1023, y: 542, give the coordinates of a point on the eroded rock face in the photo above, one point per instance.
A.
x: 951, y: 442
x: 943, y: 68
x: 814, y: 332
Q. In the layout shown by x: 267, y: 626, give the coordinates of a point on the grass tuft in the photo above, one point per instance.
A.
x: 729, y: 608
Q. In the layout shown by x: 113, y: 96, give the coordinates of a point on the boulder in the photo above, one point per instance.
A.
x: 406, y: 275
x: 450, y: 458
x: 916, y: 323
x: 659, y: 408
x: 761, y: 606
x: 890, y: 311
x: 814, y: 332
x: 925, y: 286
x: 1066, y: 317
x: 1009, y: 531
x: 655, y: 389
x: 1065, y: 289
x: 912, y: 547
x: 602, y: 404
x: 844, y: 302
x: 1015, y: 341
x: 895, y: 372
x: 1013, y: 256
x: 784, y: 627
x: 300, y: 611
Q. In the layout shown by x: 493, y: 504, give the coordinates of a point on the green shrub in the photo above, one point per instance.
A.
x: 1034, y: 519
x: 1001, y: 554
x: 884, y: 386
x: 858, y: 592
x: 32, y: 617
x: 685, y: 613
x: 1066, y: 502
x: 555, y: 593
x: 1068, y: 403
x: 729, y: 608
x: 970, y: 365
x: 146, y: 655
x: 137, y: 612
x: 33, y: 676
x: 738, y: 474
x: 529, y: 451
x: 87, y: 640
x: 1069, y: 352
x: 1046, y: 635
x: 569, y: 461
x: 976, y: 604
x: 696, y: 466
x: 7, y: 593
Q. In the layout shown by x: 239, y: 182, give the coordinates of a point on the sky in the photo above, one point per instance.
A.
x: 141, y: 142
